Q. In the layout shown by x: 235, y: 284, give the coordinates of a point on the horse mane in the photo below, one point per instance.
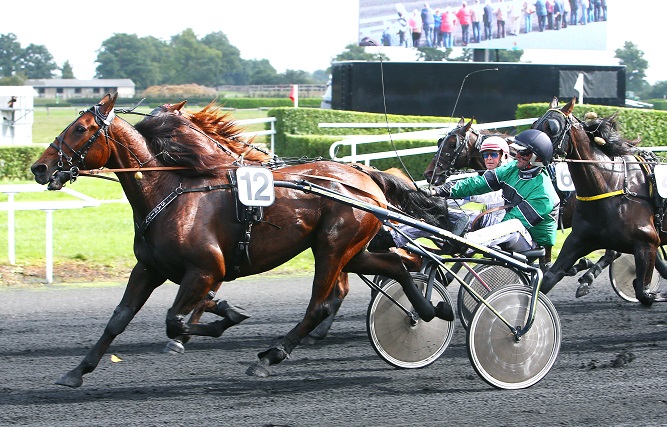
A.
x: 409, y: 199
x: 216, y: 123
x: 173, y: 140
x: 608, y: 129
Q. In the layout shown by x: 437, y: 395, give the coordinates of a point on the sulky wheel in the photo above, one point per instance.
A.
x: 492, y: 277
x: 496, y: 356
x: 398, y: 339
x: 622, y: 273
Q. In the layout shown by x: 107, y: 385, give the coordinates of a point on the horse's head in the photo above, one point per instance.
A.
x: 84, y: 144
x: 454, y: 152
x: 556, y: 123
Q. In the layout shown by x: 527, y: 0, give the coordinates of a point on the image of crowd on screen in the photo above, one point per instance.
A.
x: 447, y: 24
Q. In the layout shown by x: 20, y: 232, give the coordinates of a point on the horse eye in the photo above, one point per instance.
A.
x: 554, y: 127
x: 81, y: 128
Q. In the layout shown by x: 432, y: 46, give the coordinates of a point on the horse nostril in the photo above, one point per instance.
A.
x: 38, y: 169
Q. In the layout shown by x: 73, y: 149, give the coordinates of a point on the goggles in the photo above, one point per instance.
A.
x: 492, y: 154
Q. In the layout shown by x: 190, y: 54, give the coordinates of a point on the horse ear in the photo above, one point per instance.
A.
x: 554, y: 103
x: 179, y: 106
x: 461, y: 122
x: 567, y: 109
x: 467, y: 128
x: 107, y: 103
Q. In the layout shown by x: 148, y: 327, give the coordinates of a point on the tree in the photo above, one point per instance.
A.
x: 656, y: 91
x: 635, y: 66
x: 321, y: 76
x: 296, y: 77
x: 194, y: 62
x: 10, y: 54
x: 433, y: 54
x: 354, y: 52
x: 37, y: 63
x: 512, y: 55
x: 232, y: 68
x: 261, y: 72
x: 126, y: 56
x: 66, y: 72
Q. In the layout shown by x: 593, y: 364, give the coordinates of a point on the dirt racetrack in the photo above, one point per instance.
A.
x: 610, y: 372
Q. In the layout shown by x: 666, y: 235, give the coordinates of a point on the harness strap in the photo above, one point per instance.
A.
x: 600, y: 196
x: 141, y: 228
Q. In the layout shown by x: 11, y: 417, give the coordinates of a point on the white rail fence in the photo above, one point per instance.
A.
x: 439, y: 130
x: 11, y: 206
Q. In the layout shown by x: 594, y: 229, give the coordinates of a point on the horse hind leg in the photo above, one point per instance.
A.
x: 340, y: 292
x: 594, y: 271
x: 322, y: 305
x: 644, y: 264
x: 390, y: 264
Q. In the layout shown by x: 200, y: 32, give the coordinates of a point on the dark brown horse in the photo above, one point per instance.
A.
x: 186, y: 231
x: 616, y: 208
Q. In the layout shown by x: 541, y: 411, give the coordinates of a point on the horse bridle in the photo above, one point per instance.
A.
x: 559, y: 129
x: 461, y: 143
x: 103, y: 121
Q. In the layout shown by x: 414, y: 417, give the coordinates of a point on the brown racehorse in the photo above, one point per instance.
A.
x: 185, y: 209
x: 214, y: 122
x: 616, y: 207
x: 459, y: 150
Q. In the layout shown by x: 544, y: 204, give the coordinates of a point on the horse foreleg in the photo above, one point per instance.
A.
x: 233, y: 315
x: 594, y: 271
x: 143, y: 281
x: 194, y: 287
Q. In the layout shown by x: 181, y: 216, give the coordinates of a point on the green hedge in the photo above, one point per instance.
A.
x: 649, y: 125
x: 15, y: 161
x: 239, y: 103
x: 298, y: 135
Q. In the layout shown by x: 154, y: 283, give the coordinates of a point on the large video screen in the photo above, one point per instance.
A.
x: 485, y: 24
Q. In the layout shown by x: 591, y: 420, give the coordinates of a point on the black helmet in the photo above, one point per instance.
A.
x: 538, y: 142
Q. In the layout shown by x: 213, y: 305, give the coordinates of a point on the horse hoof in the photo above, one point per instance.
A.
x: 582, y: 291
x: 233, y: 313
x: 310, y: 340
x: 444, y: 311
x: 70, y: 380
x: 646, y: 299
x: 258, y: 370
x: 174, y: 347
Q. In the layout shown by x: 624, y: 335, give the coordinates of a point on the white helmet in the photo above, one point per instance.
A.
x: 495, y: 143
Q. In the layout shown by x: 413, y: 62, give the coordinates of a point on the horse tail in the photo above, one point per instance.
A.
x: 401, y: 193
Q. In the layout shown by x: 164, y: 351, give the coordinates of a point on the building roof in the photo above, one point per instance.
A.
x: 18, y: 91
x: 102, y: 83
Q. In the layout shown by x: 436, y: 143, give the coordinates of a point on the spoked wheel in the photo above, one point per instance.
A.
x: 494, y: 353
x: 622, y: 273
x: 396, y: 337
x: 379, y: 281
x: 492, y: 277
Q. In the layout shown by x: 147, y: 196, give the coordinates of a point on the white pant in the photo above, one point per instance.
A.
x: 511, y: 234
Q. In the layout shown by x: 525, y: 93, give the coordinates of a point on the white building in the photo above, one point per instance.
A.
x: 16, y: 109
x: 75, y: 88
